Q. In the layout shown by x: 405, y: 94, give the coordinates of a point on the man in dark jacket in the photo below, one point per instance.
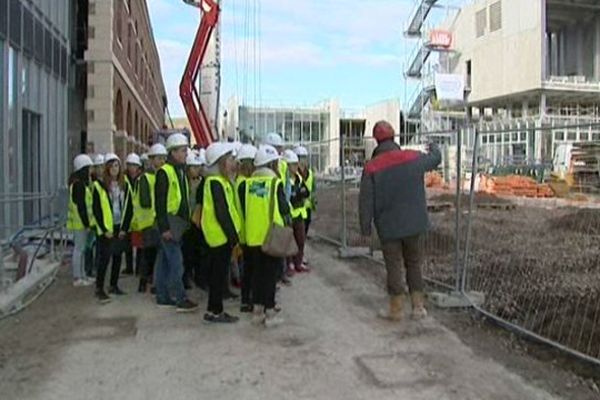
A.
x: 392, y: 194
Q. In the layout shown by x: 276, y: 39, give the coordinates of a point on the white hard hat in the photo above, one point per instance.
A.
x: 193, y: 159
x: 177, y: 140
x: 134, y: 159
x: 99, y: 160
x: 202, y: 156
x: 301, y: 151
x: 217, y: 150
x: 274, y: 139
x: 247, y: 151
x: 111, y: 157
x: 82, y: 161
x: 265, y: 154
x: 290, y: 157
x: 144, y: 157
x: 157, y: 150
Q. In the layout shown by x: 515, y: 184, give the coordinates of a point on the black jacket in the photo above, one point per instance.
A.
x: 392, y: 191
x: 80, y: 182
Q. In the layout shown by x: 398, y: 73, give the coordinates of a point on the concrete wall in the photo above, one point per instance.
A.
x: 388, y: 110
x: 506, y: 61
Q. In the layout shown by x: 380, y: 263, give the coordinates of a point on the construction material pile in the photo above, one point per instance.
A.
x: 514, y: 185
x: 586, y: 166
x: 434, y: 180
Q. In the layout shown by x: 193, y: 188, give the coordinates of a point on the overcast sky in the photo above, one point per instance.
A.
x: 310, y: 50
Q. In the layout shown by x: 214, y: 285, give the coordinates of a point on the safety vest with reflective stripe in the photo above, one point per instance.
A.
x: 257, y: 202
x: 144, y: 217
x: 107, y: 215
x: 310, y: 184
x: 174, y: 194
x: 285, y: 178
x: 213, y: 232
x: 238, y: 181
x: 298, y: 211
x: 74, y: 222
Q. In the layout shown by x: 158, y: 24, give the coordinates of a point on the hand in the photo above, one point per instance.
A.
x: 167, y: 236
x: 122, y: 235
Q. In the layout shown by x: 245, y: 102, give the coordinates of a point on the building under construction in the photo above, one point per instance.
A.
x: 531, y: 70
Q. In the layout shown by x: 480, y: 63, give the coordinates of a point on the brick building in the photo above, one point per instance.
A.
x: 125, y: 100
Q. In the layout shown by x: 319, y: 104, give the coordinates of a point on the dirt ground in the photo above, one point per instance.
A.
x: 332, y: 346
x: 539, y: 268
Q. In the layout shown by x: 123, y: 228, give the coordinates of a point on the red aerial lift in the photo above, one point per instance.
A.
x: 188, y: 89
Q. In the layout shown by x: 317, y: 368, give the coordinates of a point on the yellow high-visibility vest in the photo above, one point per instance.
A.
x: 310, y: 184
x: 174, y: 194
x: 74, y: 222
x: 258, y: 198
x: 107, y: 215
x: 213, y: 232
x: 144, y: 217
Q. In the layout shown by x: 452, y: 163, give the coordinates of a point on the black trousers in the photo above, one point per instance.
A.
x: 264, y: 277
x: 193, y: 249
x: 307, y: 221
x: 90, y: 260
x: 218, y: 261
x: 247, y: 274
x: 104, y: 251
x: 149, y: 259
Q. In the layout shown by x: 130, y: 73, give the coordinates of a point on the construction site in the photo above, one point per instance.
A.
x: 511, y: 259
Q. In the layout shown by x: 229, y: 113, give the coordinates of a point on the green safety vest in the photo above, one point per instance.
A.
x: 310, y: 184
x: 174, y: 194
x: 258, y: 199
x: 300, y: 211
x: 74, y: 222
x: 144, y: 218
x: 213, y: 232
x: 107, y: 215
x: 238, y: 181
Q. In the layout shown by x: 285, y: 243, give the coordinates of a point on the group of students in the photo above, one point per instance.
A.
x: 198, y: 216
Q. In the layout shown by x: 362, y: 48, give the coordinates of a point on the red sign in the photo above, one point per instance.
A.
x: 440, y: 38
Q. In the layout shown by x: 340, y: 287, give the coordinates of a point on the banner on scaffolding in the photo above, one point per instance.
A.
x: 450, y: 88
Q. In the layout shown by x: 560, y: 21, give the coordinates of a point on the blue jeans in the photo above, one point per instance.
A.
x: 169, y: 273
x: 78, y: 260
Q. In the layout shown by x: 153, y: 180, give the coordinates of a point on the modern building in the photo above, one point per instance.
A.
x: 318, y: 128
x: 35, y: 42
x: 533, y: 70
x: 125, y: 99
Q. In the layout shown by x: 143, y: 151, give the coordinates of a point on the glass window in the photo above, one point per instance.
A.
x: 523, y: 136
x: 484, y: 139
x: 559, y: 136
x: 13, y: 137
x: 506, y: 137
x: 572, y: 136
x: 596, y: 137
x: 515, y: 137
x: 584, y: 136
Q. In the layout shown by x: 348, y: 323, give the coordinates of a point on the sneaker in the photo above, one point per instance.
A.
x: 78, y: 282
x: 258, y: 316
x: 222, y: 318
x: 91, y: 279
x: 246, y: 308
x: 291, y: 270
x: 168, y: 304
x: 87, y: 282
x: 187, y: 306
x: 303, y: 268
x: 272, y: 319
x: 277, y: 308
x: 102, y: 297
x: 116, y: 291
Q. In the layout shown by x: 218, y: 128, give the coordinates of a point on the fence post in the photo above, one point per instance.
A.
x: 457, y: 266
x: 343, y: 236
x: 470, y: 215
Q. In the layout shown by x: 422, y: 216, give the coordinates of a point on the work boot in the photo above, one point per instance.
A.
x: 143, y: 285
x: 116, y: 291
x: 102, y: 296
x: 258, y: 315
x: 418, y: 305
x: 272, y: 319
x: 394, y: 311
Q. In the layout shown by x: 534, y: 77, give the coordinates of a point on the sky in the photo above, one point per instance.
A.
x: 307, y: 51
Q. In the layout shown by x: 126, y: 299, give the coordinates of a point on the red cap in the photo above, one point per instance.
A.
x: 383, y: 131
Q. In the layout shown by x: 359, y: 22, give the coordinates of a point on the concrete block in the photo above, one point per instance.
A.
x: 455, y: 299
x: 353, y: 252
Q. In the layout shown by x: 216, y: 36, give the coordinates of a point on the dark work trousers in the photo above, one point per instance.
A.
x: 103, y: 255
x: 90, y: 260
x: 218, y: 260
x: 264, y: 277
x: 405, y: 252
x: 147, y: 268
x: 191, y: 248
x: 300, y: 236
x: 307, y: 221
x: 129, y: 260
x: 247, y: 273
x: 119, y: 246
